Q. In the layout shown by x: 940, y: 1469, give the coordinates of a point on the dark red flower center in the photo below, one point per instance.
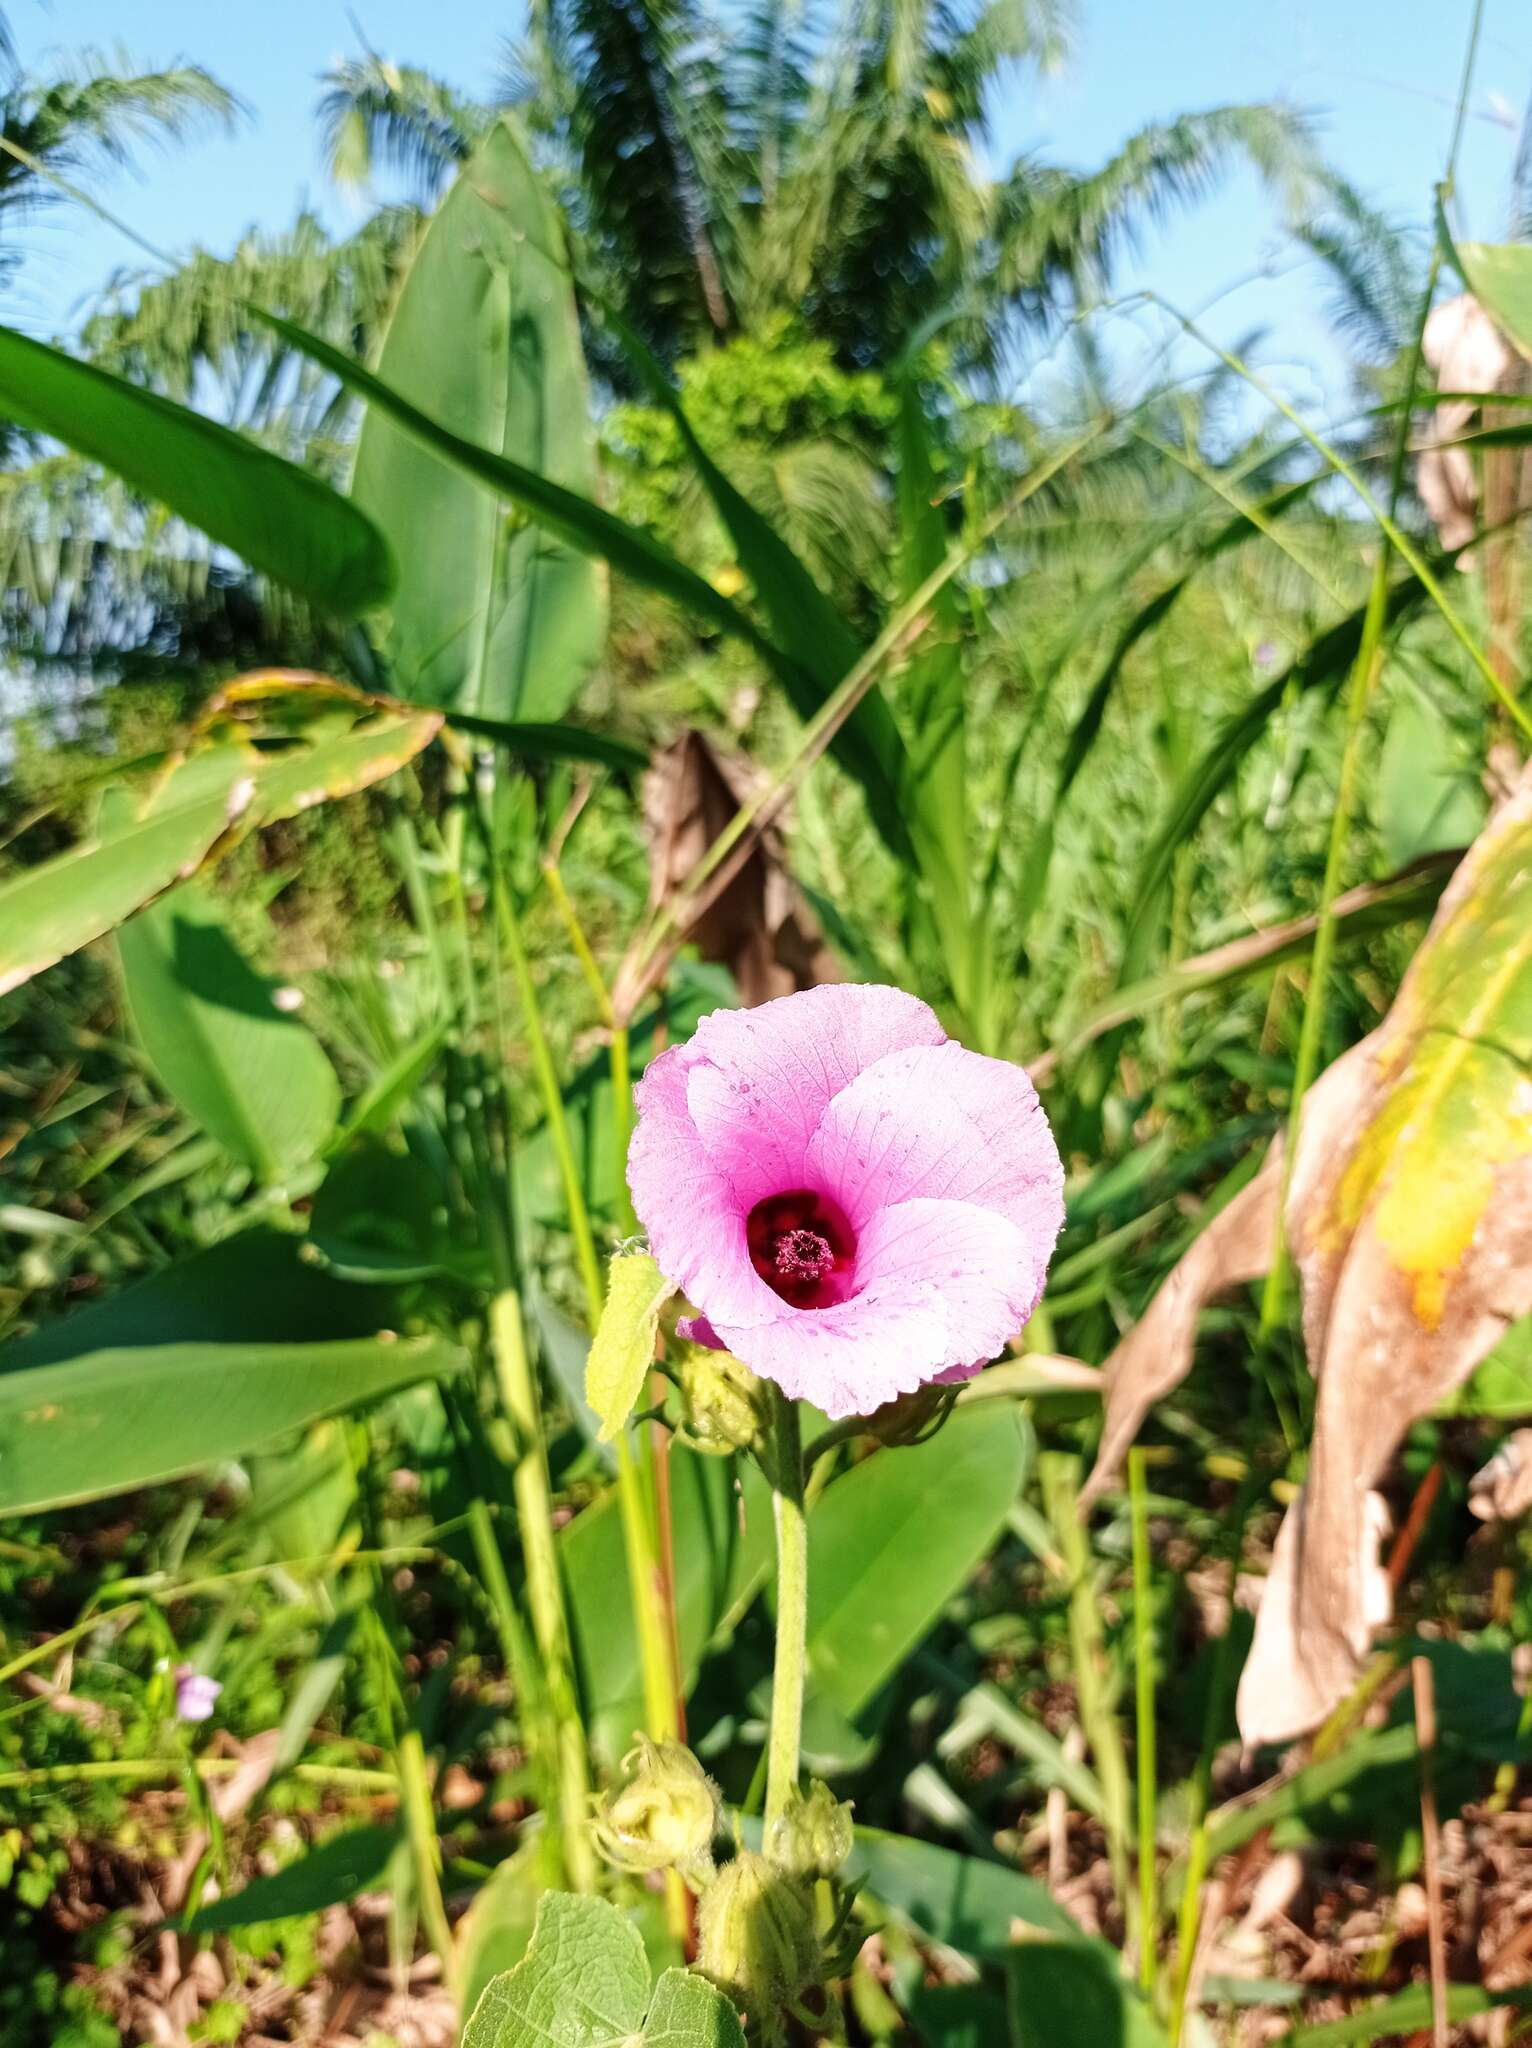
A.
x: 802, y: 1247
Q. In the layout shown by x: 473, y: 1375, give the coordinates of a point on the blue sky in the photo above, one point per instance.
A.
x: 1380, y: 76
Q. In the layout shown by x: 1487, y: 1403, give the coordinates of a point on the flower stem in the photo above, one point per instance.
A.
x: 545, y: 1593
x: 792, y: 1608
x: 645, y: 1580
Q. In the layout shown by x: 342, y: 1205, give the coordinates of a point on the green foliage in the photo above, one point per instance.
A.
x: 584, y: 1983
x: 892, y: 1543
x: 246, y: 1071
x: 64, y: 1436
x: 301, y: 1294
x: 807, y: 440
x: 277, y: 517
x: 1072, y: 1994
x: 493, y: 617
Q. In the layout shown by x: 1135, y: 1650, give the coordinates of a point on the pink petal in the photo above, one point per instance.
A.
x: 695, y: 1222
x: 938, y: 1285
x: 950, y: 1125
x: 955, y: 1375
x: 758, y: 1081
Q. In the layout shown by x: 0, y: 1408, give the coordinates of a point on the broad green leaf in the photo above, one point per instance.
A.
x: 251, y: 1076
x: 891, y: 1542
x: 623, y: 1348
x: 723, y: 1548
x: 338, y: 1869
x: 492, y: 616
x: 688, y: 2012
x: 281, y: 520
x: 1499, y: 274
x: 181, y: 817
x: 1502, y: 1384
x: 965, y: 1902
x: 61, y: 904
x: 584, y: 1983
x: 532, y: 740
x: 1429, y: 794
x: 116, y: 1419
x: 1072, y: 1994
x: 957, y: 2015
x: 381, y: 1213
x: 579, y: 520
x: 255, y: 1288
x: 493, y: 1935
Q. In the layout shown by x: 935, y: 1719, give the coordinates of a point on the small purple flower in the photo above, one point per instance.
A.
x: 1266, y: 655
x: 855, y: 1203
x: 196, y: 1694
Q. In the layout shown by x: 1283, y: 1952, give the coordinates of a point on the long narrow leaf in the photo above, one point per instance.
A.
x: 277, y: 517
x: 1324, y: 665
x: 806, y: 623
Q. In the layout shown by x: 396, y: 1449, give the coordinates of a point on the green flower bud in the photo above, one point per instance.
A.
x: 813, y: 1838
x: 664, y: 1817
x: 756, y: 1941
x: 911, y: 1418
x: 725, y: 1408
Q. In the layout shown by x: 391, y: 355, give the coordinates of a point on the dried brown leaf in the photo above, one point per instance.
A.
x: 1409, y: 1216
x: 758, y: 925
x: 1502, y: 1489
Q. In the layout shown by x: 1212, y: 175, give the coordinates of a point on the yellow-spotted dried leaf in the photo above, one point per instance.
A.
x: 1410, y: 1220
x: 623, y: 1350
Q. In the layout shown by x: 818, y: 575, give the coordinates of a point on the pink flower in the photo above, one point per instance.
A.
x: 855, y: 1203
x: 196, y: 1694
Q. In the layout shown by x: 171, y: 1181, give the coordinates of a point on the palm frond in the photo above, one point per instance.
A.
x: 374, y: 114
x: 96, y: 112
x: 190, y: 332
x: 1060, y: 228
x: 640, y: 117
x: 1373, y: 271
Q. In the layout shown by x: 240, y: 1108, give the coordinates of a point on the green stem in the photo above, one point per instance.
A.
x: 1143, y: 1672
x: 553, y: 1102
x: 660, y: 1682
x: 1059, y: 1477
x: 339, y: 1777
x: 380, y: 1633
x: 622, y: 1125
x: 425, y: 1846
x: 545, y: 1592
x: 792, y: 1608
